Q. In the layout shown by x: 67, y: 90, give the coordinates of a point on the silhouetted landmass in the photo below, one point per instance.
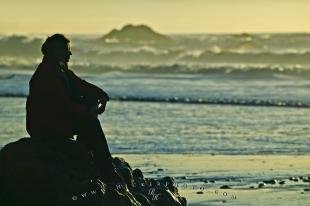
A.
x: 135, y: 33
x: 62, y: 173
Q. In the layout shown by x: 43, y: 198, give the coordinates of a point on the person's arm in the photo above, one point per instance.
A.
x: 52, y: 88
x: 76, y: 109
x: 88, y: 89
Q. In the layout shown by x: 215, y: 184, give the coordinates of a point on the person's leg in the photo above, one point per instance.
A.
x: 92, y: 136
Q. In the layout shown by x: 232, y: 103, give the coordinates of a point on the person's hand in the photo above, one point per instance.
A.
x: 104, y: 98
x: 102, y: 103
x: 101, y: 107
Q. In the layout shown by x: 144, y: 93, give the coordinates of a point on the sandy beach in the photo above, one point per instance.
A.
x: 246, y: 180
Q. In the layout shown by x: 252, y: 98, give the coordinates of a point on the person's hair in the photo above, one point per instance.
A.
x: 52, y: 43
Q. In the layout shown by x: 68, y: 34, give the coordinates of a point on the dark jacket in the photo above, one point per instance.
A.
x: 52, y: 107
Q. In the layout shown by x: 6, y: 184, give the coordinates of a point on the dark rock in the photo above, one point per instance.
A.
x: 120, y: 163
x: 40, y: 173
x: 169, y: 183
x: 306, y: 179
x: 282, y: 182
x: 124, y: 169
x: 270, y: 181
x: 293, y: 179
x: 62, y: 173
x: 260, y: 185
x: 136, y: 34
x: 199, y: 192
x: 212, y: 181
x: 137, y: 173
x: 225, y: 187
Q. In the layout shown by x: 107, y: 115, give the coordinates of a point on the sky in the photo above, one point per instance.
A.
x: 165, y: 16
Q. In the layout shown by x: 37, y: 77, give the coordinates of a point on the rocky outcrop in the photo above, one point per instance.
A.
x: 62, y: 173
x: 136, y: 34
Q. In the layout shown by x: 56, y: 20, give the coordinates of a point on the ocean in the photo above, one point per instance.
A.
x: 209, y: 110
x: 228, y: 94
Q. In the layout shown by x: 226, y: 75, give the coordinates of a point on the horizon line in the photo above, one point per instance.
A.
x: 168, y: 33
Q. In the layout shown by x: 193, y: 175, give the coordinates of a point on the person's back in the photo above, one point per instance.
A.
x: 47, y: 115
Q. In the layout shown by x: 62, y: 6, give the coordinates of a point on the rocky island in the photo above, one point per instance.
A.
x: 136, y: 34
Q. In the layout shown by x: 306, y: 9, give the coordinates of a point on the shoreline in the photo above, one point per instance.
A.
x: 232, y: 179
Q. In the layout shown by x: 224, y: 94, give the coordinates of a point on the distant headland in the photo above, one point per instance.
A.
x: 135, y: 34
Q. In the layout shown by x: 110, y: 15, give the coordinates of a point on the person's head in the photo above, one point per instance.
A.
x: 57, y: 47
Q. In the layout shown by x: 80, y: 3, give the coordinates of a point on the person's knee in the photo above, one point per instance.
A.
x: 89, y: 121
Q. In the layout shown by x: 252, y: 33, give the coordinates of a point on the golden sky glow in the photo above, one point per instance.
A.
x: 166, y: 16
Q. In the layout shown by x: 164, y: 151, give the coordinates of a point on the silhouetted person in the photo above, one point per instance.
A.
x: 61, y: 105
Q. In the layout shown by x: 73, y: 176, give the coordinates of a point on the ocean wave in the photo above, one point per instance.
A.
x: 220, y: 101
x: 6, y: 76
x: 174, y: 57
x: 206, y: 53
x: 247, y: 69
x: 20, y: 46
x: 244, y: 69
x: 215, y: 101
x: 231, y: 48
x: 214, y: 49
x: 249, y: 57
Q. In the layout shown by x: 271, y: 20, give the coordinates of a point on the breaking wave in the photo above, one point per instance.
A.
x: 182, y: 100
x: 188, y: 68
x: 285, y: 50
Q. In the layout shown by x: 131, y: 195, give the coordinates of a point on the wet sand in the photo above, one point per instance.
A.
x: 231, y: 180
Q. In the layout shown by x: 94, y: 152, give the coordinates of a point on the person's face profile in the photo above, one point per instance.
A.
x: 63, y: 52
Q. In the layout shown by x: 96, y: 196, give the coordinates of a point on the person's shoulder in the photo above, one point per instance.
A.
x: 71, y: 72
x: 47, y: 66
x: 41, y: 67
x: 43, y: 73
